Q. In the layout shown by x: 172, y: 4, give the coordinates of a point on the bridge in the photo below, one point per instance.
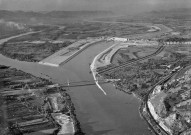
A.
x: 86, y: 83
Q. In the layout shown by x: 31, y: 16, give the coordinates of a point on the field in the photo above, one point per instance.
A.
x: 32, y: 52
x: 132, y: 53
x: 47, y: 33
x: 8, y: 29
x: 141, y: 76
x: 96, y: 29
x: 183, y: 49
x: 84, y: 30
x: 27, y: 103
x: 37, y: 46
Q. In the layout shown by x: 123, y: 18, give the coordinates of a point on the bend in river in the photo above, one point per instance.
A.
x: 113, y: 114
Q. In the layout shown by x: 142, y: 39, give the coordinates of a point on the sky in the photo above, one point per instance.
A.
x: 113, y: 5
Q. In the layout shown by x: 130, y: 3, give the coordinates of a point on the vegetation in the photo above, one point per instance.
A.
x: 27, y: 103
x: 141, y: 76
x: 132, y: 53
x: 11, y: 28
x: 172, y: 103
x: 31, y: 51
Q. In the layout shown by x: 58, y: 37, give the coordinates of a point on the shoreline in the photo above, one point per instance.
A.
x: 57, y: 58
x: 93, y: 69
x: 97, y: 62
x: 76, y: 123
x: 94, y: 65
x: 77, y: 128
x: 94, y: 73
x: 68, y: 122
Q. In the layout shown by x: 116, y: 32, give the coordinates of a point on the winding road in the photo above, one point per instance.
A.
x: 160, y: 49
x: 147, y: 97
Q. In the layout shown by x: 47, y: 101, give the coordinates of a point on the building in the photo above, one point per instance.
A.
x: 118, y: 39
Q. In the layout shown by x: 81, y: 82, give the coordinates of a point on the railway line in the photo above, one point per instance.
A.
x: 147, y: 97
x: 160, y: 49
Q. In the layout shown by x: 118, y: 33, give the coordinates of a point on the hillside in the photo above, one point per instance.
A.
x: 52, y: 17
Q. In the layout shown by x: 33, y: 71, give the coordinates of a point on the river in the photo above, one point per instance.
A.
x: 113, y: 114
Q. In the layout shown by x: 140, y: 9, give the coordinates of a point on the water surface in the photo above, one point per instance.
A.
x: 113, y: 114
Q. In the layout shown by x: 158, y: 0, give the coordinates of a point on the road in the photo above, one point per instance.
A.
x: 114, y: 114
x: 130, y: 63
x: 20, y: 35
x: 115, y: 22
x: 147, y: 97
x: 163, y: 28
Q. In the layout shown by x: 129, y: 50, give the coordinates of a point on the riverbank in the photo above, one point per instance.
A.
x: 88, y: 99
x: 39, y: 99
x: 29, y: 51
x: 143, y: 83
x: 66, y: 54
x: 102, y: 60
